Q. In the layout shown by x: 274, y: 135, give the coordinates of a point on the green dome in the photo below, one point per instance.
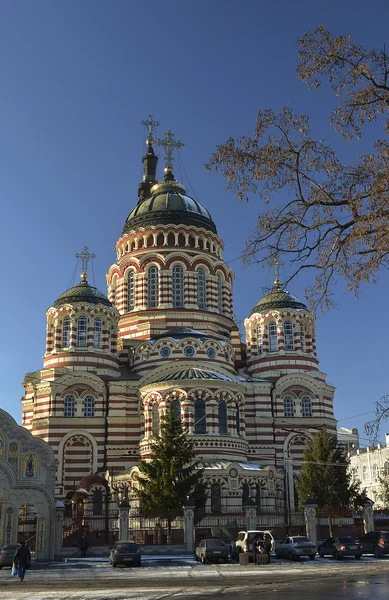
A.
x: 82, y: 292
x: 276, y: 299
x: 167, y: 205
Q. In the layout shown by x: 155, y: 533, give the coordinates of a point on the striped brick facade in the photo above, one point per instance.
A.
x: 99, y: 407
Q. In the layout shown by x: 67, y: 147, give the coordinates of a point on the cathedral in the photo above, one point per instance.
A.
x: 165, y: 335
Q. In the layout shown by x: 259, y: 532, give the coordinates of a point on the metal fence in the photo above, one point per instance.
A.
x: 150, y: 529
x: 101, y: 530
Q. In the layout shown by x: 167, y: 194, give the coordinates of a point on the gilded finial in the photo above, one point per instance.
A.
x: 85, y: 256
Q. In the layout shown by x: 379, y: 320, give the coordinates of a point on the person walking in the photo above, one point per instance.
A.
x: 22, y: 559
x: 84, y: 545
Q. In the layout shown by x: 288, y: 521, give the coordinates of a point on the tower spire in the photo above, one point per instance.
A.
x: 169, y: 144
x: 85, y: 256
x: 149, y: 160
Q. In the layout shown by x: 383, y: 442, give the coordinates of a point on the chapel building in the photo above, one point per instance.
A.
x: 165, y: 335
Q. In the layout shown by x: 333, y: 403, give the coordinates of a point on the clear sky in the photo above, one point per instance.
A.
x: 76, y: 80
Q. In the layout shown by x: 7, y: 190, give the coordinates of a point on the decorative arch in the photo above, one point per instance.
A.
x: 61, y: 448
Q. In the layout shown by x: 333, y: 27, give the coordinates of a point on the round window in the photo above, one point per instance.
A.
x: 165, y: 352
x: 211, y: 352
x: 189, y: 351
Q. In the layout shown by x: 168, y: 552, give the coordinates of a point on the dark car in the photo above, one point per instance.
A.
x: 339, y: 547
x: 6, y: 555
x: 211, y: 550
x: 375, y: 542
x: 125, y: 552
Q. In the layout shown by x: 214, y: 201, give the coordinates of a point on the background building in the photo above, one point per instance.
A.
x: 367, y: 465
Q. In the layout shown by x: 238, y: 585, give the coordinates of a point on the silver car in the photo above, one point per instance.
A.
x: 296, y: 546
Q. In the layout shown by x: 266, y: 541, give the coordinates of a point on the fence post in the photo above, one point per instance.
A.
x: 310, y: 508
x: 250, y: 511
x: 368, y: 516
x: 123, y: 519
x: 189, y: 525
x: 58, y: 535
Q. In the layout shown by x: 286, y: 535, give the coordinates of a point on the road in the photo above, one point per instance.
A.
x: 181, y: 578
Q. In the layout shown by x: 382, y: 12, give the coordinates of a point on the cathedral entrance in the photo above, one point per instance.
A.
x: 27, y: 520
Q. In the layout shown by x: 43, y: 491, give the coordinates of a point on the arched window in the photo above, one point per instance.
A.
x: 131, y: 290
x: 258, y: 497
x: 222, y: 414
x: 200, y: 416
x: 259, y: 339
x: 114, y: 289
x: 272, y: 331
x: 176, y: 411
x: 216, y: 498
x: 237, y: 420
x: 364, y: 473
x: 386, y: 467
x: 155, y: 419
x: 109, y: 339
x: 302, y: 341
x: 152, y: 287
x: 375, y: 471
x: 201, y: 290
x: 97, y: 502
x: 66, y: 332
x: 306, y: 407
x: 220, y: 294
x: 69, y: 406
x: 89, y: 406
x: 82, y: 331
x: 245, y: 493
x: 288, y: 335
x: 97, y: 332
x: 288, y: 406
x: 178, y: 286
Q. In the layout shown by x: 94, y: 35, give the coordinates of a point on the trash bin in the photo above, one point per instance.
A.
x: 244, y: 558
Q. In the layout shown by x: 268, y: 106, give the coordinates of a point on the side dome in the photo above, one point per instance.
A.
x: 277, y: 299
x: 169, y: 204
x: 82, y: 292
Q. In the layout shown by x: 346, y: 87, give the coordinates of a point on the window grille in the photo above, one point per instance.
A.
x: 178, y: 286
x: 259, y: 339
x: 216, y: 499
x: 200, y: 416
x: 89, y: 406
x: 176, y: 410
x: 245, y: 493
x: 155, y: 419
x: 220, y: 294
x: 288, y: 406
x: 131, y: 290
x: 288, y: 335
x: 237, y: 420
x: 152, y: 289
x: 272, y: 331
x: 222, y: 414
x: 97, y: 332
x: 82, y: 331
x: 69, y: 406
x: 306, y: 407
x: 302, y: 341
x: 97, y: 502
x: 201, y: 290
x: 66, y: 332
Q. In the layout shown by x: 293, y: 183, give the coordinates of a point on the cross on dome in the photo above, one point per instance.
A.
x: 169, y: 144
x: 85, y: 256
x: 149, y: 123
x: 276, y: 262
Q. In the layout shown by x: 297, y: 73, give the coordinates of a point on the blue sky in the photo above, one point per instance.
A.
x: 76, y: 80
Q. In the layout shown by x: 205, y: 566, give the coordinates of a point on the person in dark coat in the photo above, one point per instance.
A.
x: 22, y: 559
x: 84, y: 545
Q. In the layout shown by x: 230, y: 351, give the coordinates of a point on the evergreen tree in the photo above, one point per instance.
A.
x: 171, y: 476
x: 325, y: 476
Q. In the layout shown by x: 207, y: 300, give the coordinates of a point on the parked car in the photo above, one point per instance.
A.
x: 211, y: 550
x: 296, y: 546
x: 339, y: 547
x: 375, y: 542
x: 125, y: 552
x: 6, y: 555
x: 244, y: 541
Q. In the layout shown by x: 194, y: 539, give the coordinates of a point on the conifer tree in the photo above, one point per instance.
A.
x: 171, y: 476
x: 325, y: 476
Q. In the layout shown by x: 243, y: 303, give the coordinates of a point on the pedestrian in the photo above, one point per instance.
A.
x: 267, y: 545
x: 22, y: 559
x: 84, y: 545
x: 258, y: 546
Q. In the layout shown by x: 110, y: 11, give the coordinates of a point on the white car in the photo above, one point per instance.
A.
x: 244, y: 541
x: 296, y: 546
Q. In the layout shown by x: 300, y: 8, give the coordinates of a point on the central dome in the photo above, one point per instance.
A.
x: 169, y: 204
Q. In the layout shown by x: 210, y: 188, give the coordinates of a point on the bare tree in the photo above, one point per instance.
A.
x: 372, y: 428
x: 327, y: 216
